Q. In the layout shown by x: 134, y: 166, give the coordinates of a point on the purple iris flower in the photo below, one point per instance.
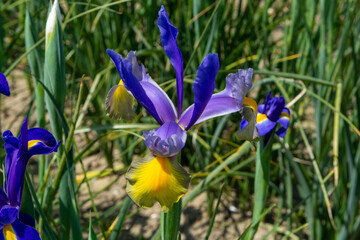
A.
x: 271, y: 112
x: 19, y: 150
x: 170, y: 137
x: 161, y: 178
x: 4, y: 85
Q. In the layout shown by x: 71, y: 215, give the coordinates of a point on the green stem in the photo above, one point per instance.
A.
x: 262, y: 175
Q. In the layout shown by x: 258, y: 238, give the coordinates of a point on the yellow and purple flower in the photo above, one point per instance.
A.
x: 4, y: 85
x: 34, y: 141
x: 161, y: 178
x: 271, y: 112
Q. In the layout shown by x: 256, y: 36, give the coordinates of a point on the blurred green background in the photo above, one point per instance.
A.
x: 307, y: 51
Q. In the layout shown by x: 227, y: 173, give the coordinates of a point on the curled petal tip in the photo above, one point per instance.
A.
x: 238, y: 84
x: 159, y: 179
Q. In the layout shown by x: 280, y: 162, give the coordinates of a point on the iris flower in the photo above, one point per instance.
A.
x: 18, y: 152
x: 271, y: 112
x: 4, y: 86
x: 161, y: 178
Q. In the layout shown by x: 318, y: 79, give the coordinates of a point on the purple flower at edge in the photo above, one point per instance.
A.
x: 4, y: 85
x: 19, y: 150
x: 271, y: 112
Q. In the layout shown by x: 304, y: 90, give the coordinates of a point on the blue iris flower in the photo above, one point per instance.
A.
x: 271, y: 112
x: 19, y: 150
x: 166, y: 141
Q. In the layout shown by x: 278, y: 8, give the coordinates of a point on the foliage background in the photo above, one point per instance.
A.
x: 303, y: 50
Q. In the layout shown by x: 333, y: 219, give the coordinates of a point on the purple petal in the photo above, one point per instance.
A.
x: 4, y: 85
x: 165, y: 141
x: 204, y: 86
x: 143, y: 88
x: 284, y: 120
x: 41, y: 141
x: 8, y: 214
x: 274, y: 107
x: 3, y: 198
x: 27, y: 219
x: 11, y: 145
x: 261, y: 108
x: 24, y: 232
x: 264, y: 125
x: 225, y: 102
x: 16, y: 171
x: 168, y: 34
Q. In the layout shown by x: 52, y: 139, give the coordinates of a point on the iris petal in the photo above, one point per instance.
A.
x: 261, y: 108
x: 8, y: 215
x: 41, y: 141
x: 264, y: 124
x: 24, y: 232
x: 11, y: 145
x: 273, y: 107
x: 165, y: 141
x: 225, y: 102
x: 168, y: 34
x: 143, y: 88
x: 284, y: 120
x: 16, y: 169
x: 8, y: 232
x: 3, y: 198
x: 119, y: 103
x: 248, y: 130
x: 158, y: 179
x: 4, y: 85
x: 203, y: 88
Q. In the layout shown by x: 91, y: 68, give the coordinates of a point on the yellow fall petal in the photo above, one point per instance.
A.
x: 9, y: 232
x: 159, y: 179
x: 119, y: 103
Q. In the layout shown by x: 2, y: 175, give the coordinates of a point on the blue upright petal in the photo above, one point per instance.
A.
x: 274, y: 107
x: 16, y: 172
x: 3, y: 198
x: 41, y: 141
x: 163, y: 104
x: 204, y: 86
x: 11, y: 145
x: 165, y: 141
x: 225, y: 102
x: 4, y: 85
x: 143, y: 88
x: 168, y: 34
x: 261, y: 108
x: 24, y: 232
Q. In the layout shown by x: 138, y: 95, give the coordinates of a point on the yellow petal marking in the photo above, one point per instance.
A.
x: 31, y: 143
x: 251, y: 103
x: 159, y: 179
x: 285, y: 115
x: 119, y: 103
x: 9, y: 232
x: 261, y: 117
